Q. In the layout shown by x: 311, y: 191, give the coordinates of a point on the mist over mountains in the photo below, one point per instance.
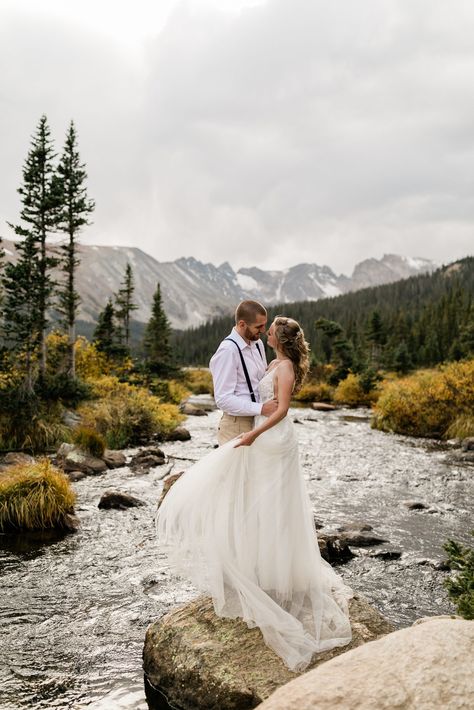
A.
x: 194, y: 292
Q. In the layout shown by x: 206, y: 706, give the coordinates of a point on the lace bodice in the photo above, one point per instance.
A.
x: 265, y: 386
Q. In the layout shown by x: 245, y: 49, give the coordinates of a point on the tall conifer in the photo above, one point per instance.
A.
x: 32, y: 271
x: 156, y: 341
x: 74, y: 208
x: 125, y: 304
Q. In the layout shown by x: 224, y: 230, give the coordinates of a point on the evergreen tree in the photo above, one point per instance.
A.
x: 342, y: 351
x: 156, y: 341
x: 72, y: 215
x: 401, y: 359
x: 125, y: 305
x: 376, y: 338
x: 20, y: 308
x: 38, y: 212
x: 105, y: 332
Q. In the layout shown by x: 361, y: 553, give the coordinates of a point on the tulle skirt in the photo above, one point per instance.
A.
x: 238, y: 524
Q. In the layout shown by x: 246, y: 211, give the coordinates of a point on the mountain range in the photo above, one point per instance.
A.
x: 194, y: 292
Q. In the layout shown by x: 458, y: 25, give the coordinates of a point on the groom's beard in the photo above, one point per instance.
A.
x: 251, y: 336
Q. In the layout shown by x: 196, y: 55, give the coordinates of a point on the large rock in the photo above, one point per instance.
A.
x: 204, y: 662
x: 424, y: 667
x: 179, y: 434
x: 191, y: 410
x: 72, y: 458
x: 119, y: 499
x: 114, y: 459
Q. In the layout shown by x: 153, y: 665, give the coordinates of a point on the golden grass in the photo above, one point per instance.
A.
x: 34, y: 496
x: 89, y: 440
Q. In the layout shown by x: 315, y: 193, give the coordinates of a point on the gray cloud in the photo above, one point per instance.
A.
x: 290, y: 131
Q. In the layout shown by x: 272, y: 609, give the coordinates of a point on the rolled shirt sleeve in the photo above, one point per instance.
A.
x: 224, y: 365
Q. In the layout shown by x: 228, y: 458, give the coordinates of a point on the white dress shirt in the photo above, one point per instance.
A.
x: 231, y: 391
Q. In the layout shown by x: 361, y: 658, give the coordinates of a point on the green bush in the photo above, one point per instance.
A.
x: 34, y: 496
x: 461, y: 587
x: 89, y: 440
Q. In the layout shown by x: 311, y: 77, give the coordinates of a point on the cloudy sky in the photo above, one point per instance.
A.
x: 259, y: 132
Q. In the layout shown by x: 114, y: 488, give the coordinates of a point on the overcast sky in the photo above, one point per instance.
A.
x: 256, y: 132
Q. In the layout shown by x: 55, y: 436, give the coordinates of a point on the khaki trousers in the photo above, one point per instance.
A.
x: 229, y: 427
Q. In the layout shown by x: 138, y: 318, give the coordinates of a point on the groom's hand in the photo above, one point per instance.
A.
x: 270, y: 407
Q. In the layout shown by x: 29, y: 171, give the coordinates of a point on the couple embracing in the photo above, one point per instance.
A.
x: 239, y: 523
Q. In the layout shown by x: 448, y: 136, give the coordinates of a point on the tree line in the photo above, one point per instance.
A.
x: 38, y: 288
x: 416, y: 322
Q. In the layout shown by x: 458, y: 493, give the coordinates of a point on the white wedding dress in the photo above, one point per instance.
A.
x: 239, y: 525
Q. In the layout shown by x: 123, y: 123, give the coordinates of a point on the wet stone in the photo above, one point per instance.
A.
x: 120, y: 500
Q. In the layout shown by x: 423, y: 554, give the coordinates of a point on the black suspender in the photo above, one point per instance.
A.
x: 244, y: 367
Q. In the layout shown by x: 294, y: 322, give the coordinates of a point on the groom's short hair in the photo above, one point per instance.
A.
x: 248, y: 311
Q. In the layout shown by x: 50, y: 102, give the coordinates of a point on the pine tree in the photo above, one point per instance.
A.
x: 72, y: 214
x: 105, y: 332
x: 156, y: 341
x: 125, y: 305
x: 38, y: 212
x: 20, y: 308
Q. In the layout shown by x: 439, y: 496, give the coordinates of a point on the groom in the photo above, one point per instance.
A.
x: 237, y: 367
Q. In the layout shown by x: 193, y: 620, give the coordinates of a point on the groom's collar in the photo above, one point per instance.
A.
x: 235, y: 335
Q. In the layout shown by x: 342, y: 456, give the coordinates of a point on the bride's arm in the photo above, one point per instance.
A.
x: 285, y: 378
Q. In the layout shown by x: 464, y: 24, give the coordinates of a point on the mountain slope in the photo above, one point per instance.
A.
x: 194, y: 292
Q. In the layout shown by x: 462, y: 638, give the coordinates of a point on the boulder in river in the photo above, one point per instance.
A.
x: 179, y: 434
x: 114, y: 459
x: 191, y: 410
x: 148, y: 458
x: 204, y: 662
x: 72, y: 458
x: 334, y: 549
x: 323, y: 407
x: 120, y: 500
x: 468, y: 444
x: 427, y: 666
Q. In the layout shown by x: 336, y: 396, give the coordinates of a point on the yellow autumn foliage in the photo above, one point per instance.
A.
x: 199, y: 380
x: 428, y: 402
x: 350, y: 392
x: 315, y: 392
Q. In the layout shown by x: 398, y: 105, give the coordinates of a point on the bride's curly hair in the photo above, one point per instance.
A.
x: 292, y: 343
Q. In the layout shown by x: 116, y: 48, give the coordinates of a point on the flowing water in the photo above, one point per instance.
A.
x: 75, y: 608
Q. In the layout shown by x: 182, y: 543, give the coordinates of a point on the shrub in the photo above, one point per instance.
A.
x: 130, y: 416
x: 169, y: 390
x: 461, y: 587
x: 28, y: 423
x: 315, y: 392
x: 428, y: 402
x: 89, y: 440
x: 351, y: 392
x: 35, y: 496
x: 199, y: 380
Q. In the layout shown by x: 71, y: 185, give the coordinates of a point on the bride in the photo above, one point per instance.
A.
x: 239, y: 525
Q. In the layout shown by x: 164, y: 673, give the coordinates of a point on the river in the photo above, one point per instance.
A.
x: 75, y: 608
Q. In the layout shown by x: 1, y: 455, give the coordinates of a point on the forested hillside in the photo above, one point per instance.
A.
x: 414, y: 322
